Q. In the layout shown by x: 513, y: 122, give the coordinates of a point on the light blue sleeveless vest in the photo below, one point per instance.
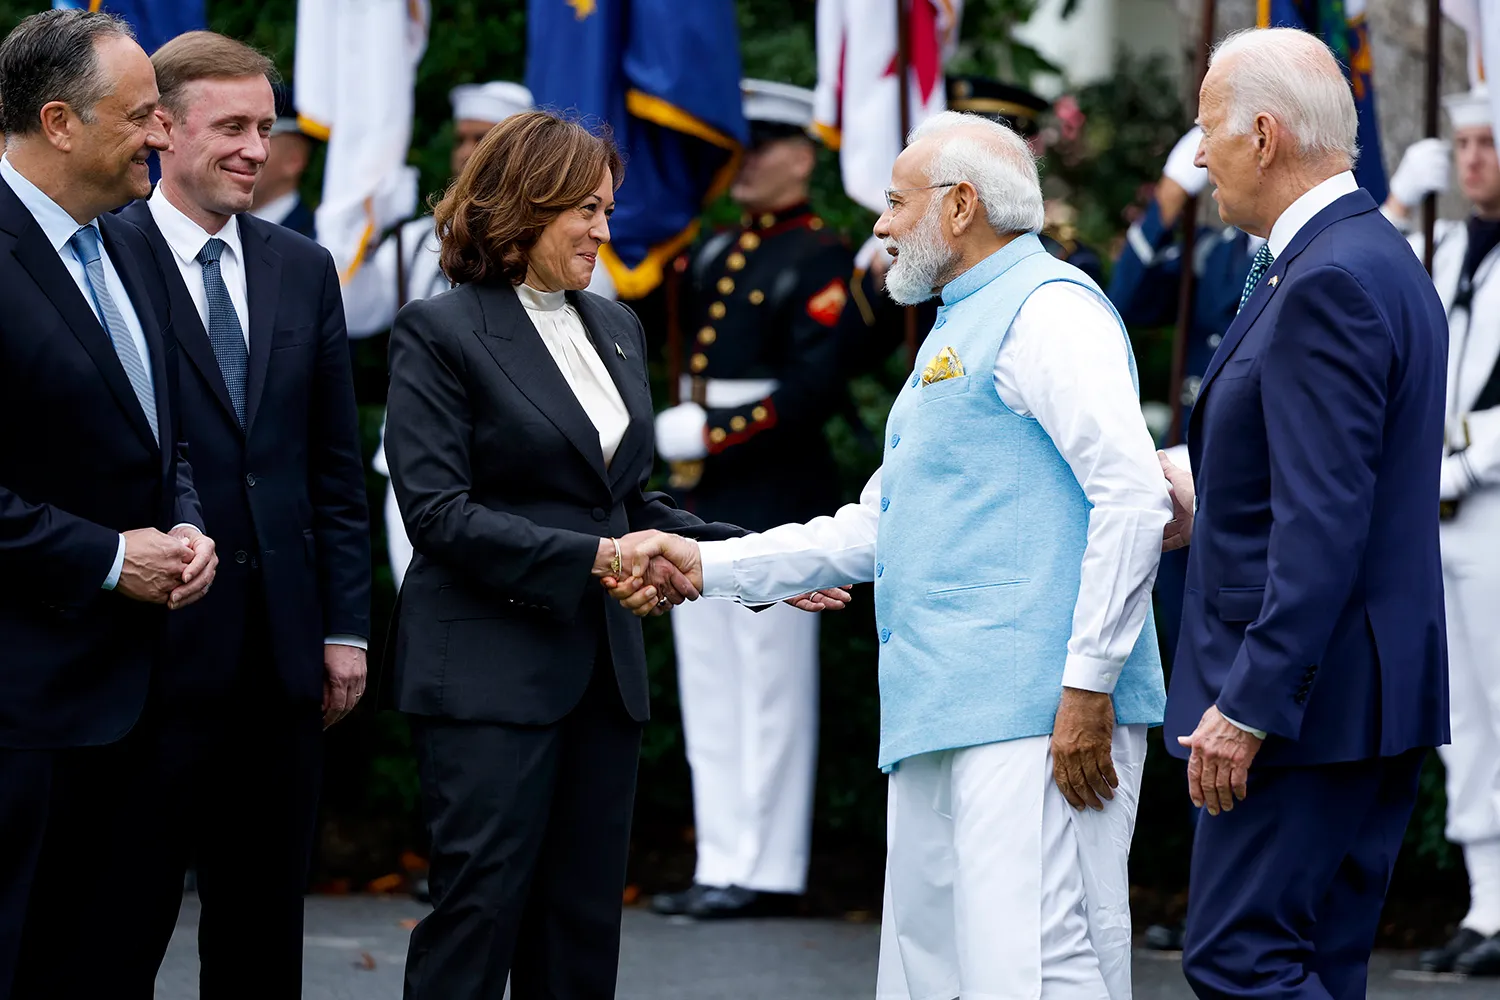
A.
x: 981, y: 539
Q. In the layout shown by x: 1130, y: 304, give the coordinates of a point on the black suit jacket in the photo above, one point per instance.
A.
x: 505, y: 495
x: 78, y: 465
x: 285, y: 497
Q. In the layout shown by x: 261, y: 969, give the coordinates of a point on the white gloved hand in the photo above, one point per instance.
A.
x: 1425, y: 169
x: 679, y: 433
x: 1180, y: 168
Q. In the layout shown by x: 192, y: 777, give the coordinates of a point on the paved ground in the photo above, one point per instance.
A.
x: 356, y: 944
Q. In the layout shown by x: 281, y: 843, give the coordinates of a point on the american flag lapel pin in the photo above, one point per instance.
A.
x: 620, y: 352
x: 1275, y: 280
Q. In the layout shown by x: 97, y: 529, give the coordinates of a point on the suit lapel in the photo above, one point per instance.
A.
x: 615, y: 345
x: 517, y: 348
x: 191, y: 336
x: 263, y: 287
x: 46, y: 268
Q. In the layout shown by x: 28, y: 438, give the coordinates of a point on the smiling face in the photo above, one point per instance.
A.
x: 564, y: 254
x: 112, y: 150
x: 912, y: 229
x: 219, y: 131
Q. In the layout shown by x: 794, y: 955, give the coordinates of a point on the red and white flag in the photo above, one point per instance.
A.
x: 856, y: 107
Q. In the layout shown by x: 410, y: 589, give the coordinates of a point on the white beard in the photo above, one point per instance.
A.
x: 922, y: 263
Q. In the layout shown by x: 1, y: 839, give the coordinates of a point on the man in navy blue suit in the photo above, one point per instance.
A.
x: 1312, y: 669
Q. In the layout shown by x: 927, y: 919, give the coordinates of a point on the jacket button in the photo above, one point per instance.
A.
x: 895, y: 440
x: 599, y: 514
x: 885, y: 503
x: 1215, y: 339
x: 241, y: 557
x: 885, y: 635
x: 249, y: 479
x: 880, y: 569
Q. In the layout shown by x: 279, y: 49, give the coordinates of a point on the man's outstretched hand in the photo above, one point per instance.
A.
x: 658, y: 571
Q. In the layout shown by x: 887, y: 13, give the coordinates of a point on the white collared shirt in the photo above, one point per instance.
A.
x: 186, y: 238
x: 1300, y: 212
x: 1064, y: 364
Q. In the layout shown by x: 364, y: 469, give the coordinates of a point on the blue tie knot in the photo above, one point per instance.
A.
x: 211, y: 252
x: 1258, y: 268
x: 85, y: 244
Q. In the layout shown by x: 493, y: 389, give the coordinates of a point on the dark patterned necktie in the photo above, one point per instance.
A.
x: 1258, y: 268
x: 224, y: 331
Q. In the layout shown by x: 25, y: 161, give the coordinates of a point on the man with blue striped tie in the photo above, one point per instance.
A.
x: 101, y: 530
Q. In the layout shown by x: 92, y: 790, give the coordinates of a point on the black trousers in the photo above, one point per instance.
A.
x: 530, y: 828
x: 229, y: 785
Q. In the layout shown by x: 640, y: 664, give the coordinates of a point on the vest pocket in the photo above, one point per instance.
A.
x: 971, y: 587
x: 947, y: 387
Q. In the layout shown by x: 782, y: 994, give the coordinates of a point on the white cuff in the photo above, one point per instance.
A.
x: 717, y: 562
x: 347, y: 640
x: 679, y: 433
x: 1259, y: 734
x: 1090, y: 674
x: 111, y: 581
x: 186, y: 524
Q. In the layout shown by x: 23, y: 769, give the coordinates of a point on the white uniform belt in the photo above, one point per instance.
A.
x: 727, y: 393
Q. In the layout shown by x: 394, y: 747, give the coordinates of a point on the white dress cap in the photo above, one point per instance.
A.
x: 489, y: 102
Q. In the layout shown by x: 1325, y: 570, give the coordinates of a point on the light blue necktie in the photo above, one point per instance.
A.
x: 85, y: 244
x: 224, y: 331
x: 1258, y: 268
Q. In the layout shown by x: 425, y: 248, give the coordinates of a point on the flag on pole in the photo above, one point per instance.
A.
x: 856, y: 106
x: 1342, y: 26
x: 665, y: 76
x: 1481, y: 22
x: 156, y: 22
x: 355, y: 70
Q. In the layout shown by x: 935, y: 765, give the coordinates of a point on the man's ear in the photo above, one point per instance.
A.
x: 1267, y: 136
x: 59, y: 124
x: 966, y: 207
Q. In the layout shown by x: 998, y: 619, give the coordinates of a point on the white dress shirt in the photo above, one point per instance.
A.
x: 568, y: 342
x: 186, y: 238
x: 59, y: 227
x: 1064, y: 364
x: 1300, y: 212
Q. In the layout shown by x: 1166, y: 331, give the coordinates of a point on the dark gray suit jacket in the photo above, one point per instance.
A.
x: 505, y: 495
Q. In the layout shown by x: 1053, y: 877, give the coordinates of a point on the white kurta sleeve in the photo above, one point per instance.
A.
x: 792, y: 559
x: 1064, y: 363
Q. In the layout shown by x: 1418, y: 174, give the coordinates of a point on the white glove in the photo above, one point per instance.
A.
x: 1180, y: 168
x: 679, y: 433
x: 1424, y: 170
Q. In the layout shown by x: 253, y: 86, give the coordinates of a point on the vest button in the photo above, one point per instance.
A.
x: 880, y: 569
x: 249, y: 479
x: 885, y: 635
x: 914, y: 380
x: 1215, y: 339
x: 885, y: 503
x: 599, y: 514
x: 895, y: 440
x: 241, y: 557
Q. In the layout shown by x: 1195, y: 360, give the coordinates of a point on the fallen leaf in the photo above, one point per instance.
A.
x: 632, y: 894
x: 366, y: 961
x: 386, y: 883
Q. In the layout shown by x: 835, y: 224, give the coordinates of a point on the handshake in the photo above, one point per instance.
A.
x: 650, y: 572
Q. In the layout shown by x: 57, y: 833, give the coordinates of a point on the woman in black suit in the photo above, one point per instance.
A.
x: 519, y: 438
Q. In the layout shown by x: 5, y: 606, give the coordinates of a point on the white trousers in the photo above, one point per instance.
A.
x: 996, y: 887
x: 1471, y: 590
x: 749, y: 689
x: 398, y: 547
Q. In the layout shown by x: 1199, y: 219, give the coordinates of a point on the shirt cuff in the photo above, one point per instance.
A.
x: 717, y: 562
x: 347, y: 640
x: 1259, y: 734
x: 114, y: 571
x: 186, y: 524
x: 1089, y: 674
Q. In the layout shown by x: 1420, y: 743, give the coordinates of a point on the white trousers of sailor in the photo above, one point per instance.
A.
x: 996, y: 888
x: 749, y: 688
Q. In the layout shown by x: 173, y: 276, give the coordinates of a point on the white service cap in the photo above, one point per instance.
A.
x: 489, y: 102
x: 777, y: 103
x: 1469, y: 108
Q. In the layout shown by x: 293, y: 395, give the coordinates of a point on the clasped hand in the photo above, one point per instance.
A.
x: 659, y: 571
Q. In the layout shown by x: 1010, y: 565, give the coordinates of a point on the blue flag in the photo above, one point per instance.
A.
x: 664, y: 75
x: 156, y: 22
x: 1342, y: 26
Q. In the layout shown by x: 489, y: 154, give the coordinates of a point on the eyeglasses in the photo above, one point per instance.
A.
x: 929, y: 187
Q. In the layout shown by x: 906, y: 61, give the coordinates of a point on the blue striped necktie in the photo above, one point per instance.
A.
x: 224, y: 331
x: 85, y: 244
x: 1258, y: 268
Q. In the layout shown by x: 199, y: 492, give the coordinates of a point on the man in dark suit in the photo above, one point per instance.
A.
x: 277, y: 652
x: 1312, y: 668
x: 100, y: 530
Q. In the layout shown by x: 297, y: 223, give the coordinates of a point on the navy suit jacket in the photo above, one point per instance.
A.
x: 1314, y: 604
x: 285, y: 497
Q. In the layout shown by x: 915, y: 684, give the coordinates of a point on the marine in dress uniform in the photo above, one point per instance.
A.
x: 874, y: 326
x: 1464, y: 269
x: 278, y: 191
x: 1143, y: 287
x: 747, y: 446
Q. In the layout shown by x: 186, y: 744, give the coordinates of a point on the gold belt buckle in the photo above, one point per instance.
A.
x: 1447, y: 510
x: 686, y: 475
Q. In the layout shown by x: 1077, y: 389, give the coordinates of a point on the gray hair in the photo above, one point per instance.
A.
x: 50, y: 57
x: 997, y: 161
x: 1294, y: 77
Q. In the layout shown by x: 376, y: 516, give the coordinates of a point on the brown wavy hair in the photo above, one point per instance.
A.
x: 529, y: 169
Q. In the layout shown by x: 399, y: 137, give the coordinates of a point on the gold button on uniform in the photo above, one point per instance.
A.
x: 716, y: 311
x: 757, y: 297
x: 767, y: 221
x: 707, y: 336
x: 726, y: 285
x: 717, y: 435
x: 749, y: 241
x: 815, y: 224
x: 699, y: 362
x: 758, y: 414
x: 737, y: 424
x: 736, y: 261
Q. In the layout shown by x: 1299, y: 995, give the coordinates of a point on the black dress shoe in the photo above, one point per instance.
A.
x: 1163, y: 937
x: 676, y: 904
x: 1444, y: 959
x: 736, y: 902
x: 1481, y: 960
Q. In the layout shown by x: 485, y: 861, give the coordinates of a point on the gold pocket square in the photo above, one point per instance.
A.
x: 945, y: 366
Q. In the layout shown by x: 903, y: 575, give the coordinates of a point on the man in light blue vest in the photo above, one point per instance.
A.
x: 1012, y: 535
